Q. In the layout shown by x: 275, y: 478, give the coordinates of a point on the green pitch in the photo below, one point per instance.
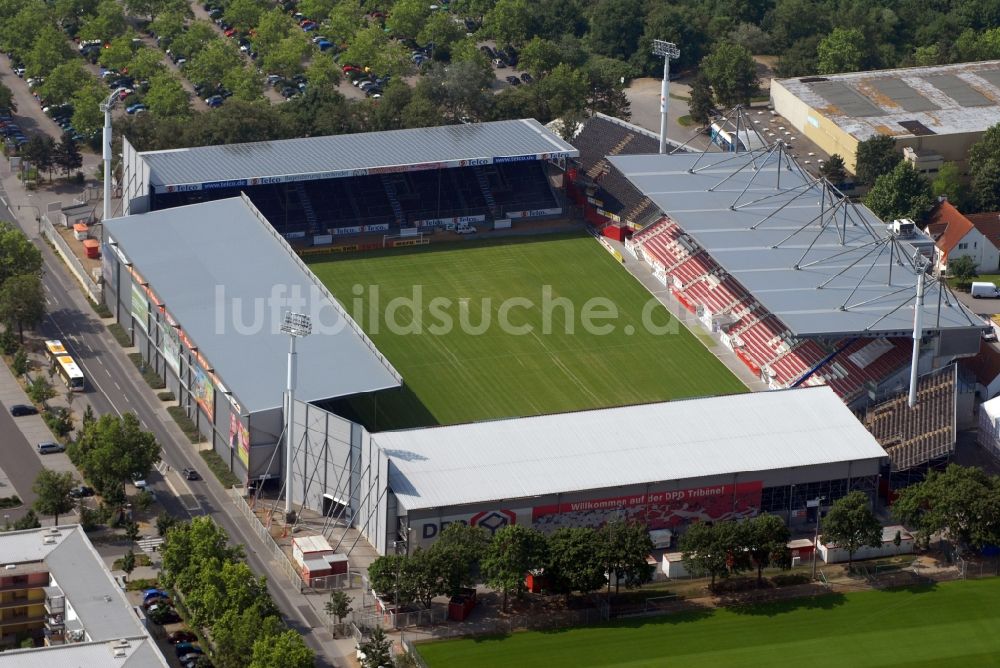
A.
x: 459, y: 374
x: 953, y: 624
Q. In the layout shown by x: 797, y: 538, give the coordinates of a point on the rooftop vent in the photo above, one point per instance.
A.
x: 812, y: 79
x: 903, y: 228
x: 49, y: 540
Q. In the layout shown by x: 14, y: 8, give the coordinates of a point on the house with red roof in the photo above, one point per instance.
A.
x: 956, y: 235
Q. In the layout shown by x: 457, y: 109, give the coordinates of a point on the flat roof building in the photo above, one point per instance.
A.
x: 203, y: 289
x: 54, y: 587
x: 939, y: 110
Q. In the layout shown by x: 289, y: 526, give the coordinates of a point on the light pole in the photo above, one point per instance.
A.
x: 815, y: 503
x: 667, y: 50
x: 296, y: 325
x: 106, y: 108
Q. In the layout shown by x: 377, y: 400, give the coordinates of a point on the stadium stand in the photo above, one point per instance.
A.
x: 757, y: 337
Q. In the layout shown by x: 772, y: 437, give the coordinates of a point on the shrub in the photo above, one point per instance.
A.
x: 143, y: 500
x: 8, y: 342
x: 186, y: 424
x: 102, y: 311
x: 20, y: 363
x: 219, y: 468
x: 10, y: 501
x: 59, y: 421
x: 148, y: 372
x: 89, y: 518
x: 166, y: 396
x: 121, y: 336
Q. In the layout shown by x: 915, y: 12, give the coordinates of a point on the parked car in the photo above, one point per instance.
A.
x: 81, y: 492
x: 184, y: 648
x: 48, y: 448
x: 526, y: 78
x: 324, y: 45
x: 19, y: 410
x: 513, y: 81
x: 139, y: 481
x: 190, y: 474
x: 135, y: 108
x: 151, y: 603
x: 499, y: 64
x: 214, y: 101
x: 181, y: 636
x: 150, y: 594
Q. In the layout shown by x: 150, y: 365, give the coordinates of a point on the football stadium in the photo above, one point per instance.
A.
x: 476, y: 355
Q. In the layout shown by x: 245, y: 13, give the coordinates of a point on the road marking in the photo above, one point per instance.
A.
x: 118, y: 386
x: 4, y: 202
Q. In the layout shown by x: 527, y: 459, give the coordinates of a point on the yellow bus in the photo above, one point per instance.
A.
x: 68, y: 369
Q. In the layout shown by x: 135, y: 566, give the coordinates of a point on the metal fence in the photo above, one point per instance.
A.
x: 71, y: 260
x: 348, y: 580
x: 266, y: 540
x: 400, y: 620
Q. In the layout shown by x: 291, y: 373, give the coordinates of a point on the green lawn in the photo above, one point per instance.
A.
x: 460, y: 376
x: 952, y: 624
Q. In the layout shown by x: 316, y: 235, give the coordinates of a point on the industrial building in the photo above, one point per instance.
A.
x: 935, y: 112
x: 202, y: 290
x: 665, y: 464
x: 55, y: 588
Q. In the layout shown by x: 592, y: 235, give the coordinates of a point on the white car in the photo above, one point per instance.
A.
x: 465, y: 230
x: 139, y: 482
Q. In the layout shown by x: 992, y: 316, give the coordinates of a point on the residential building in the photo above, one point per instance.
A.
x: 955, y: 235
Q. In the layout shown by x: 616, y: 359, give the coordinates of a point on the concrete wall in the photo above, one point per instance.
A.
x: 814, y: 125
x: 135, y: 181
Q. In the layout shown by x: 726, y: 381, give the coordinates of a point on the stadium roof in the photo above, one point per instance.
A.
x: 631, y: 445
x: 944, y: 99
x: 822, y: 265
x: 336, y: 156
x: 205, y: 261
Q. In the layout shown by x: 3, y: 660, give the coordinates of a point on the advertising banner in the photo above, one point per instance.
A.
x: 171, y: 346
x: 239, y: 439
x: 203, y: 391
x: 427, y: 531
x: 658, y: 510
x: 140, y: 308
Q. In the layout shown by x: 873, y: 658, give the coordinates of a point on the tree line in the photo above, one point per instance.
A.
x: 223, y: 597
x: 571, y: 559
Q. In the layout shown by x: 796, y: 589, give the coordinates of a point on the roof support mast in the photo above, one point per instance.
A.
x: 918, y: 315
x: 667, y: 50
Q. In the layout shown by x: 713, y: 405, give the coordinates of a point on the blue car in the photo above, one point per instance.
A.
x: 185, y: 648
x: 135, y: 108
x: 324, y: 44
x: 150, y: 594
x: 214, y: 101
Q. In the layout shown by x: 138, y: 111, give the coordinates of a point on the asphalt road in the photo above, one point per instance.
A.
x: 116, y: 387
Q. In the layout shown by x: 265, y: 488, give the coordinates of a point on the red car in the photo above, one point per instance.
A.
x: 351, y: 68
x: 230, y: 32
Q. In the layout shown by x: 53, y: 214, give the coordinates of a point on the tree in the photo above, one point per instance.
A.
x: 513, y: 551
x: 615, y: 27
x: 48, y: 52
x: 7, y: 101
x: 40, y: 390
x: 274, y: 26
x: 132, y: 532
x: 53, y: 493
x: 105, y: 24
x: 385, y: 575
x: 984, y: 170
x: 949, y: 183
x: 113, y: 450
x: 190, y: 544
x: 38, y: 151
x: 286, y: 56
x: 87, y: 115
x: 963, y: 268
x: 408, y: 17
x: 155, y: 8
x: 213, y: 587
x: 237, y: 630
x: 732, y: 73
x: 441, y: 30
x: 624, y: 548
x: 18, y: 255
x: 323, y: 74
x: 243, y: 13
x: 67, y: 154
x: 833, y: 170
x: 962, y: 503
x: 168, y: 27
x: 540, y: 56
x: 843, y: 50
x: 509, y: 22
x: 167, y: 97
x: 875, y: 156
x: 118, y: 54
x: 902, y: 193
x: 128, y: 563
x: 575, y: 562
x: 20, y: 362
x: 63, y: 82
x: 703, y: 553
x: 163, y: 522
x: 345, y: 20
x: 377, y: 650
x: 765, y: 538
x: 461, y: 548
x: 195, y: 39
x: 339, y: 605
x: 210, y: 65
x: 851, y: 525
x: 564, y: 91
x: 287, y: 650
x: 701, y: 107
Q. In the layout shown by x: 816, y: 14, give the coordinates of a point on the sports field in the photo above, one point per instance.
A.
x: 541, y: 363
x: 952, y: 624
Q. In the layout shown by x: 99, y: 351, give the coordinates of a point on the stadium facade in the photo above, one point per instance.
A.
x: 666, y: 464
x: 935, y: 111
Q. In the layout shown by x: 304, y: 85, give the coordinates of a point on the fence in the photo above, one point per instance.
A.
x: 265, y: 538
x: 348, y: 580
x: 71, y: 260
x: 401, y: 620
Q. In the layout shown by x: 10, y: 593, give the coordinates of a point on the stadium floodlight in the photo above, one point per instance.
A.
x: 668, y: 51
x: 106, y: 108
x: 296, y: 325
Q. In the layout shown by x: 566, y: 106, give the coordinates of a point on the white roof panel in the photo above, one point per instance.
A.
x: 550, y: 454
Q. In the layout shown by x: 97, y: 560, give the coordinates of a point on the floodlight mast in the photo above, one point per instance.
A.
x: 918, y: 322
x: 666, y: 50
x: 296, y: 325
x: 106, y: 108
